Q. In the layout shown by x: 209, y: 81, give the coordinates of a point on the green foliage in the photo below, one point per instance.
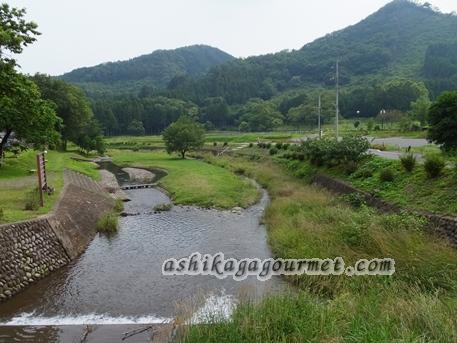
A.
x: 356, y: 199
x: 183, y: 135
x: 329, y: 152
x: 163, y: 207
x: 32, y: 200
x: 387, y: 175
x: 154, y: 112
x: 24, y: 112
x: 108, y: 223
x: 15, y: 32
x: 91, y: 139
x: 408, y: 161
x: 273, y: 151
x: 157, y: 69
x: 434, y: 165
x: 136, y: 128
x: 260, y: 116
x: 443, y: 121
x: 118, y: 206
x: 71, y: 106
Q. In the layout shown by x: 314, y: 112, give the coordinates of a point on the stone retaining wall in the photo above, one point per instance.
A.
x: 443, y: 225
x: 32, y: 249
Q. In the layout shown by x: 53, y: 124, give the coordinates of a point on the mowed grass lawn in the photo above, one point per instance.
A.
x: 193, y: 182
x: 17, y: 181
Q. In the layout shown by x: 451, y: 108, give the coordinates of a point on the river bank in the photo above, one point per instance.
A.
x: 418, y: 302
x: 120, y: 276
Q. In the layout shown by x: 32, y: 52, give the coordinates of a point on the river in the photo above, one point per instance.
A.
x: 118, y: 279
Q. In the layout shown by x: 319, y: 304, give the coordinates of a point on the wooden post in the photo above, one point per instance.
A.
x: 41, y: 176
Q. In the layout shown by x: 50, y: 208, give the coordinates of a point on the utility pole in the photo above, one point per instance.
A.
x: 337, y: 99
x: 319, y: 117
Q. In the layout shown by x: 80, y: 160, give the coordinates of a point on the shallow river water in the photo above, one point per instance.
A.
x: 118, y: 279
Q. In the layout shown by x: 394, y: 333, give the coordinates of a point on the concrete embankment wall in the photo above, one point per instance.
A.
x: 443, y: 225
x: 32, y: 249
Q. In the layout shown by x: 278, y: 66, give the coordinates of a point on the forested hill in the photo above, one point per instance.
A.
x: 389, y: 43
x: 155, y: 69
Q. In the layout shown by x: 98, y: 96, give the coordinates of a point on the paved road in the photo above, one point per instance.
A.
x: 391, y: 155
x: 399, y: 141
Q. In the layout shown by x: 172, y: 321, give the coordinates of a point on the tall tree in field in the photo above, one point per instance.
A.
x: 183, y: 135
x: 443, y: 121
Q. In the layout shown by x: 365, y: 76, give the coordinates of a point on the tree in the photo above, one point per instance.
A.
x: 183, y: 135
x: 91, y: 138
x: 23, y: 112
x: 420, y: 109
x: 15, y: 33
x: 71, y: 105
x: 261, y: 115
x: 443, y: 121
x: 136, y: 128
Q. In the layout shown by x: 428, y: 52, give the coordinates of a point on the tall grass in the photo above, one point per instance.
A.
x: 417, y: 303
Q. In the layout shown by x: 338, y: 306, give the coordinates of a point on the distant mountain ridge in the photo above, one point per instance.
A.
x: 158, y: 68
x: 391, y: 43
x: 397, y: 41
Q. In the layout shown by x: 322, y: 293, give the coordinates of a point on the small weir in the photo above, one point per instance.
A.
x: 118, y: 280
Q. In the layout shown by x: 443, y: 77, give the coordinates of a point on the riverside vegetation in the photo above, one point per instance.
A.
x: 419, y: 302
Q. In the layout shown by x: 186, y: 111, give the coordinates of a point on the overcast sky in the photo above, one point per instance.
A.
x: 79, y: 33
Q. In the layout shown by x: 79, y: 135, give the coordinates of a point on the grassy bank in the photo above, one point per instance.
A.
x: 417, y: 303
x: 193, y: 182
x: 17, y: 181
x: 413, y: 190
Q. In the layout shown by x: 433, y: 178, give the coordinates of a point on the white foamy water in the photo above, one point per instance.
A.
x: 29, y: 319
x: 214, y: 308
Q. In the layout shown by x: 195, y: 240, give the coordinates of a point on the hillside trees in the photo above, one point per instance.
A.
x: 260, y: 115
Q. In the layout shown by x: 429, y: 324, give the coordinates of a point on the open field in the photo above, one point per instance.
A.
x: 193, y: 182
x: 17, y: 181
x: 417, y: 303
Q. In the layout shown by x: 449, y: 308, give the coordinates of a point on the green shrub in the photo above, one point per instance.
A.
x: 434, y: 165
x: 285, y: 146
x: 108, y: 223
x: 251, y: 145
x: 331, y: 153
x: 356, y: 200
x: 119, y: 206
x: 225, y: 144
x: 214, y: 143
x: 163, y: 207
x: 387, y: 175
x: 240, y: 171
x: 408, y: 161
x: 273, y: 151
x: 350, y: 167
x: 32, y: 200
x: 268, y: 145
x: 279, y: 146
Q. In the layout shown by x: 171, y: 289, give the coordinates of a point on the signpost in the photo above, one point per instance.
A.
x: 41, y: 170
